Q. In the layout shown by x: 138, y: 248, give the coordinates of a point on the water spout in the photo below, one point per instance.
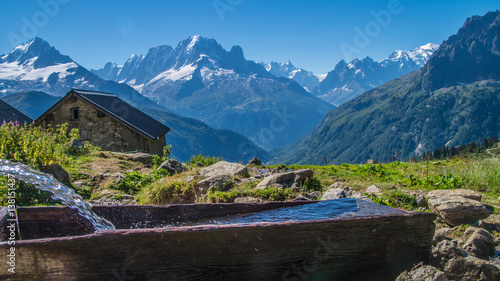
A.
x: 59, y: 191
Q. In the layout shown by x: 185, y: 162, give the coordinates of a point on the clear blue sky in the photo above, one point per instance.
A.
x: 309, y: 33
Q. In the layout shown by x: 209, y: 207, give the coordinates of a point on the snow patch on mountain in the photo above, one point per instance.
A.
x: 208, y: 74
x: 26, y: 71
x: 194, y: 40
x: 321, y: 77
x: 183, y: 73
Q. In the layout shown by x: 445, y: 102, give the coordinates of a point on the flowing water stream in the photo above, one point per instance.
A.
x: 58, y: 190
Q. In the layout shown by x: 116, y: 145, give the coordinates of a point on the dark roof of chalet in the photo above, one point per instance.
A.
x: 9, y: 113
x: 128, y: 114
x: 119, y: 110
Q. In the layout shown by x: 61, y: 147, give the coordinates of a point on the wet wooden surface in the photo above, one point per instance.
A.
x: 366, y: 248
x: 44, y: 222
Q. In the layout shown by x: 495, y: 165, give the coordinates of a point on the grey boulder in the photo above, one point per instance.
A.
x: 423, y: 273
x: 344, y: 192
x: 225, y: 168
x: 457, y: 210
x: 172, y: 166
x: 480, y: 244
x: 291, y: 179
x: 221, y: 182
x: 57, y: 171
x: 470, y: 194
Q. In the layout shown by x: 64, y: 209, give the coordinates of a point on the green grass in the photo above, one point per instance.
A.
x: 476, y: 172
x: 268, y: 194
x: 151, y: 186
x: 166, y: 191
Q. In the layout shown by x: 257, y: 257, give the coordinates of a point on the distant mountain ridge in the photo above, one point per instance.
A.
x: 452, y: 100
x: 349, y: 80
x: 33, y: 103
x: 472, y: 55
x: 305, y: 78
x: 201, y: 80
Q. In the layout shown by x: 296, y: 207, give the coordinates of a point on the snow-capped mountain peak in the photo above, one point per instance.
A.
x: 37, y: 53
x: 280, y: 69
x: 194, y: 40
x: 419, y: 55
x: 37, y: 66
x: 430, y: 46
x: 35, y: 60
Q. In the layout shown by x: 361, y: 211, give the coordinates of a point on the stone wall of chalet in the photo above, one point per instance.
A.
x: 100, y: 129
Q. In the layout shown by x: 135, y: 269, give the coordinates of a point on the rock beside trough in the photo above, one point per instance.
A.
x: 57, y: 171
x: 423, y: 273
x: 344, y: 192
x: 457, y: 210
x: 293, y: 179
x: 470, y: 194
x: 225, y: 168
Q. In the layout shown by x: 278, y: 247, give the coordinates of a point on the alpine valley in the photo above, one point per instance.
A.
x: 454, y: 99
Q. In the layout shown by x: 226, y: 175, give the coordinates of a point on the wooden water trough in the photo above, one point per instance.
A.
x: 55, y: 243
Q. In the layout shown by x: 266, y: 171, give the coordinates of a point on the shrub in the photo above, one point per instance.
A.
x: 395, y: 199
x: 133, y: 182
x: 202, y: 161
x: 36, y: 146
x: 311, y: 185
x: 158, y: 160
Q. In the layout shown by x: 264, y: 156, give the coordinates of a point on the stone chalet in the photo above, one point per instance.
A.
x: 10, y: 114
x: 107, y: 121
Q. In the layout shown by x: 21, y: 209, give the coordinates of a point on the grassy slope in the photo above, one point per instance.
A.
x: 476, y: 172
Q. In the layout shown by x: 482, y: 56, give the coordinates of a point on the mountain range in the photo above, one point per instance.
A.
x: 34, y: 76
x: 349, y: 80
x: 452, y: 100
x: 201, y: 80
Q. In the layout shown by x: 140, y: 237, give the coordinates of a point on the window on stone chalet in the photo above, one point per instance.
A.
x: 49, y: 117
x: 75, y: 114
x: 100, y: 114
